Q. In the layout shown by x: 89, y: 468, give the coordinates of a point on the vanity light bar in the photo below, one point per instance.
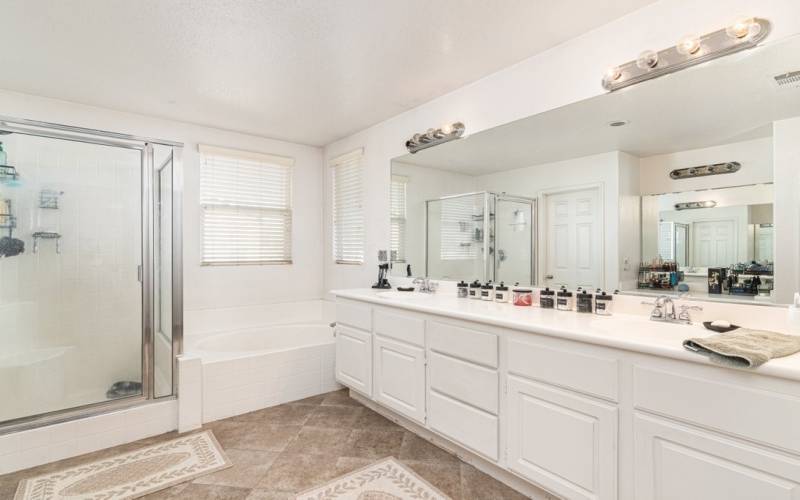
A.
x: 690, y: 50
x: 434, y: 137
x: 695, y: 204
x: 704, y: 170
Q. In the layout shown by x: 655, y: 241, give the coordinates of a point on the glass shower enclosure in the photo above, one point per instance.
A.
x: 485, y: 236
x: 90, y: 271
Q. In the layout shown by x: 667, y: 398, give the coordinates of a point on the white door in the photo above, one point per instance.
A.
x: 565, y: 442
x: 678, y: 461
x: 714, y: 243
x: 399, y: 377
x: 354, y: 359
x: 574, y: 241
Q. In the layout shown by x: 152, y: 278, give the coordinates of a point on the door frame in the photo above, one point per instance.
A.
x: 543, y: 194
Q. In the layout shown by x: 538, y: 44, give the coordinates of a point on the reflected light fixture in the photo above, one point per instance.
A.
x: 691, y: 205
x: 741, y: 34
x: 434, y: 137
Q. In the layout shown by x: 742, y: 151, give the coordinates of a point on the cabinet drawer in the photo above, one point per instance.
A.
x: 464, y: 381
x: 575, y: 370
x: 464, y: 343
x: 749, y: 412
x: 354, y: 314
x: 677, y: 461
x: 467, y: 426
x: 403, y: 326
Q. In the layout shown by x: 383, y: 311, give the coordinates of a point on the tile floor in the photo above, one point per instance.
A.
x: 285, y: 449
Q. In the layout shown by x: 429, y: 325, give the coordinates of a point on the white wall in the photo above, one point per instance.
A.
x: 565, y: 74
x: 787, y: 208
x: 217, y: 286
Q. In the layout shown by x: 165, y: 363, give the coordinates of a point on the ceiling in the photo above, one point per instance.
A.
x: 728, y: 100
x: 306, y: 71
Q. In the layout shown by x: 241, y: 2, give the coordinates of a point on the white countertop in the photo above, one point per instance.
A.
x: 621, y: 331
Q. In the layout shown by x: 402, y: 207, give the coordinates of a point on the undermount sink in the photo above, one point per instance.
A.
x: 404, y: 295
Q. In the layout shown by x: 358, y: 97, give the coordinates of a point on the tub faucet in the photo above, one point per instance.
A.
x: 425, y: 285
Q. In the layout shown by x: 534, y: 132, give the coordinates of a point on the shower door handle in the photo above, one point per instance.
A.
x: 139, y: 276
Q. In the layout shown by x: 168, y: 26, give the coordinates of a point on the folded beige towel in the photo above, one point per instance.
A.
x: 744, y: 348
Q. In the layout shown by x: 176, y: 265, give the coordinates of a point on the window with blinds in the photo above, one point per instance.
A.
x: 459, y: 229
x: 246, y: 201
x: 398, y: 218
x: 348, y: 209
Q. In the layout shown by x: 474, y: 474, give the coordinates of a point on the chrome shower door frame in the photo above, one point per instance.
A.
x: 145, y: 146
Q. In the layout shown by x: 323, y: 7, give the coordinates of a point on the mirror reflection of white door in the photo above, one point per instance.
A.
x: 764, y: 239
x: 574, y: 240
x: 714, y: 243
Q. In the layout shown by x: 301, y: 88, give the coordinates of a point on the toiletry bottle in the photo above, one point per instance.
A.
x: 603, y: 304
x: 487, y: 291
x: 461, y: 288
x: 501, y: 293
x: 547, y: 299
x: 475, y: 290
x: 793, y: 315
x: 523, y: 297
x: 584, y: 302
x: 564, y: 300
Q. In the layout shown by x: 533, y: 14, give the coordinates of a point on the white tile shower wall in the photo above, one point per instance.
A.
x: 241, y: 385
x: 76, y: 315
x: 55, y: 442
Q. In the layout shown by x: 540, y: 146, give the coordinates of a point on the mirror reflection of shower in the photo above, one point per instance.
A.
x: 484, y: 236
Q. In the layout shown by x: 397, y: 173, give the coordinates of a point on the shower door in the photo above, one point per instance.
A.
x: 514, y: 240
x: 77, y: 304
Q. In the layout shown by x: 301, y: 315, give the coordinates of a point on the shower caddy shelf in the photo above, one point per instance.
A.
x: 7, y: 172
x: 46, y: 235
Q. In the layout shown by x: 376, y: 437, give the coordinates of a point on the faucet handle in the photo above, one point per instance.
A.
x: 684, y: 315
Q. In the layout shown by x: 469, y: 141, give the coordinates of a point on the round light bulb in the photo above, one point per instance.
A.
x: 647, y: 60
x: 688, y: 45
x: 743, y: 27
x: 613, y: 74
x: 447, y: 129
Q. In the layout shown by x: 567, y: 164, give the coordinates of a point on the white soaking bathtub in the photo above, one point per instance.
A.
x: 288, y: 355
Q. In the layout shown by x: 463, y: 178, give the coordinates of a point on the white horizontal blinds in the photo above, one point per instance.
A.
x: 398, y: 218
x: 246, y: 201
x: 348, y: 208
x: 460, y: 238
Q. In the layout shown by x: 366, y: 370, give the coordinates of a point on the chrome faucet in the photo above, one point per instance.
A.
x: 664, y: 310
x: 425, y: 285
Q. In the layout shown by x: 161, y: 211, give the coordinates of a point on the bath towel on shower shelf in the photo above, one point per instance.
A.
x: 10, y: 247
x: 744, y: 348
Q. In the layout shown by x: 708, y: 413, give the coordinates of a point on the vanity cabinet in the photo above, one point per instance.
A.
x: 354, y: 359
x: 584, y: 421
x: 562, y: 441
x: 679, y: 461
x: 399, y: 377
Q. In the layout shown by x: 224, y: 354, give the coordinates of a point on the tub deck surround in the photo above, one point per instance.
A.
x: 586, y: 407
x: 623, y: 330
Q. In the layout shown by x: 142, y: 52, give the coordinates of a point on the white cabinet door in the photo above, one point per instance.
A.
x: 400, y: 377
x: 354, y: 359
x: 679, y: 461
x: 561, y: 441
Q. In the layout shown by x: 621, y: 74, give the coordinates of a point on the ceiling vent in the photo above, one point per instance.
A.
x: 789, y: 80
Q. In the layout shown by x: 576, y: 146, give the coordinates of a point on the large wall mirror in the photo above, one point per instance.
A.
x: 683, y: 184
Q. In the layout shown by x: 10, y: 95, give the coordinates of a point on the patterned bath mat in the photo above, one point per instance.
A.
x: 131, y: 475
x: 384, y: 480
